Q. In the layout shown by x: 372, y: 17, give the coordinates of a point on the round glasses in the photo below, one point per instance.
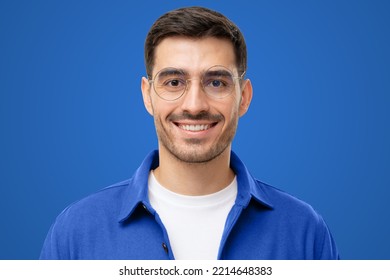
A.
x: 217, y: 82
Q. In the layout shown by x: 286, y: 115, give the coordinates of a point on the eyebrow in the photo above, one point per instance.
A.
x: 171, y: 71
x: 220, y: 72
x: 175, y: 71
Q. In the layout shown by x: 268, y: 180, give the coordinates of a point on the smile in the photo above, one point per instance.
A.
x: 196, y: 127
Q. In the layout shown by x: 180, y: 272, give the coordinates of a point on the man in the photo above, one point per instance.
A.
x: 193, y: 198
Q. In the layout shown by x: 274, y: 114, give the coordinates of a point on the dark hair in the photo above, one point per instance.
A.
x: 195, y: 22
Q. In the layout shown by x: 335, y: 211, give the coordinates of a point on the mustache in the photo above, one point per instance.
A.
x: 202, y: 116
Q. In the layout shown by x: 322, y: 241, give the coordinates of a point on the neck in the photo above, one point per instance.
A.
x: 194, y: 178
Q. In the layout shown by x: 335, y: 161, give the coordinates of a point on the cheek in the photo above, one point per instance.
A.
x: 232, y: 108
x: 162, y: 109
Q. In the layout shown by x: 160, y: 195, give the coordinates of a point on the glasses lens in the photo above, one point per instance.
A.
x: 170, y: 83
x: 218, y: 82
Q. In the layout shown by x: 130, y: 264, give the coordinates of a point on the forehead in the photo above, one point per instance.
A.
x: 194, y: 55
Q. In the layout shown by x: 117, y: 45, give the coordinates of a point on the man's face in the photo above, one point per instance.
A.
x: 196, y: 127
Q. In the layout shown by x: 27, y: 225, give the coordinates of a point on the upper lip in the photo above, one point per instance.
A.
x: 202, y: 118
x: 189, y: 122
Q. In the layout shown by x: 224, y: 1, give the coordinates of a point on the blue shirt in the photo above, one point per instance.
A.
x: 118, y: 222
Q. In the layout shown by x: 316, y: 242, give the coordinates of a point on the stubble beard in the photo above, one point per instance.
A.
x: 193, y: 152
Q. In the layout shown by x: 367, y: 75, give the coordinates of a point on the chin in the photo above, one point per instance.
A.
x: 196, y: 156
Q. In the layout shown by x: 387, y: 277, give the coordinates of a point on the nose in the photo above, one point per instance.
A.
x: 195, y: 100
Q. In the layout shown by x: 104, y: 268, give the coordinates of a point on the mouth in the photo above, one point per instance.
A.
x: 195, y: 127
x: 199, y: 125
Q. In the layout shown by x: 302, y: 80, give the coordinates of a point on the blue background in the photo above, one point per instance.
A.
x: 72, y: 119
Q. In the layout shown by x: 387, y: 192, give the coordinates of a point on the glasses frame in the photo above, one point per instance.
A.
x: 234, y: 78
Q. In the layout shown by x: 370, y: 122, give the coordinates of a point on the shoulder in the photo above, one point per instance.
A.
x: 87, y: 218
x: 103, y: 203
x: 289, y: 206
x: 289, y: 220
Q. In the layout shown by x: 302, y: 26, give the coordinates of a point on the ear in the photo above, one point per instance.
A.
x: 246, y: 97
x: 145, y: 88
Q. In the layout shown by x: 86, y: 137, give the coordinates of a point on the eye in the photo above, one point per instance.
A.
x: 173, y: 83
x: 215, y: 83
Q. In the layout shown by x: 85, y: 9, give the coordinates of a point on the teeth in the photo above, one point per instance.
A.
x: 197, y: 127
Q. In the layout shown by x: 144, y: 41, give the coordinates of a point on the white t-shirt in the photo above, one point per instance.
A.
x: 194, y: 223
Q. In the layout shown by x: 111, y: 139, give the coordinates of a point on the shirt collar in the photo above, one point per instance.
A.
x: 136, y: 192
x: 248, y: 187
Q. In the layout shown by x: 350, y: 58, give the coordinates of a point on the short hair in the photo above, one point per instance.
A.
x: 195, y: 22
